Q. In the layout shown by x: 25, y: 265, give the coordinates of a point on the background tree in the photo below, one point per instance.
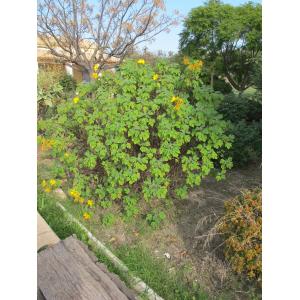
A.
x: 227, y: 37
x: 84, y: 33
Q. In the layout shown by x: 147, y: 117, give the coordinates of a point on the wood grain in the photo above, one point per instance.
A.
x: 68, y: 270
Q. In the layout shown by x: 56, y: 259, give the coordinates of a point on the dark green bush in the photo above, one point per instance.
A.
x: 68, y: 83
x: 245, y: 116
x: 235, y: 108
x: 246, y: 147
x: 221, y: 86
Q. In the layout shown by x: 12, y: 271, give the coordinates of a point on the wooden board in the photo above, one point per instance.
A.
x: 68, y: 270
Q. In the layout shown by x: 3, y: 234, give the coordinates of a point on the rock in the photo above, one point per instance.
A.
x: 167, y: 255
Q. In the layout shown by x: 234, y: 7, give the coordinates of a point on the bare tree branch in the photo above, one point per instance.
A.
x: 82, y: 33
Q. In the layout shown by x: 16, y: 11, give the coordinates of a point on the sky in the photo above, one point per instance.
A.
x: 169, y: 41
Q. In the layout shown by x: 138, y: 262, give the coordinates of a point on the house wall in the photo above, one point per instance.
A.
x: 77, y: 73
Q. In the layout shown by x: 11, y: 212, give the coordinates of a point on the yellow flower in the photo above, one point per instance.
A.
x: 174, y: 98
x: 74, y: 193
x: 90, y: 203
x: 178, y: 104
x: 95, y: 75
x: 186, y: 60
x: 52, y: 182
x: 44, y: 183
x: 141, y: 61
x: 196, y: 66
x: 66, y: 154
x: 75, y: 99
x: 47, y: 189
x: 81, y: 200
x: 155, y: 77
x: 96, y: 67
x: 86, y: 216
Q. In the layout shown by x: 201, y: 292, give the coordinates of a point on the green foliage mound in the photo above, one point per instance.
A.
x: 245, y: 116
x: 141, y: 133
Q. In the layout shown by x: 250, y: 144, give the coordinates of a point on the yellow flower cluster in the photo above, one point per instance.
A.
x: 49, y: 185
x: 75, y: 100
x: 178, y: 102
x: 155, y: 77
x: 141, y: 61
x: 95, y: 75
x: 96, y: 67
x: 197, y: 65
x: 186, y: 60
x: 46, y: 144
x: 78, y: 199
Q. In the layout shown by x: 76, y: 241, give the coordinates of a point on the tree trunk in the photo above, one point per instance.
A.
x: 212, y: 78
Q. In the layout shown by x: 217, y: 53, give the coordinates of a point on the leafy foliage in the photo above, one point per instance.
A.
x: 68, y: 83
x: 235, y: 108
x: 227, y: 37
x: 53, y: 87
x: 245, y: 115
x: 47, y: 99
x: 154, y: 219
x: 143, y: 131
x: 242, y: 226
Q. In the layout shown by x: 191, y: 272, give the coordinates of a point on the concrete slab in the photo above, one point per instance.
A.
x: 45, y: 235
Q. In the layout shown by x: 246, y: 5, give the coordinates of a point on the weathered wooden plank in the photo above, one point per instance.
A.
x: 68, y: 270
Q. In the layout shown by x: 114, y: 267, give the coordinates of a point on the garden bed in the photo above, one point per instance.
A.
x: 175, y: 243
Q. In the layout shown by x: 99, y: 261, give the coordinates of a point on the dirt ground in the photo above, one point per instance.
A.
x: 178, y: 236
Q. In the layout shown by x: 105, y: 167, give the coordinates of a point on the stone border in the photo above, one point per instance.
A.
x: 137, y: 284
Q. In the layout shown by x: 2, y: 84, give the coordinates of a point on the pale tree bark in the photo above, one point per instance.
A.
x: 87, y: 33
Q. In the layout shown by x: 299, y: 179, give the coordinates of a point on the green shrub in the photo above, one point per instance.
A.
x: 247, y: 145
x: 47, y: 99
x: 68, y: 83
x: 155, y: 218
x: 222, y: 86
x: 236, y: 108
x: 245, y: 116
x: 143, y: 132
x: 242, y: 226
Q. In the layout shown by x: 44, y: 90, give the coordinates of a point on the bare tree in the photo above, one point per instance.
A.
x: 84, y: 33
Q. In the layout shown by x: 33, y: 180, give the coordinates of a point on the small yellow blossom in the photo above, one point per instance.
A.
x: 174, y: 98
x: 95, y: 75
x: 66, y: 154
x: 81, y: 200
x: 52, y: 182
x: 75, y: 100
x: 155, y: 77
x: 141, y: 61
x: 178, y: 102
x: 74, y: 193
x: 178, y: 105
x: 96, y: 67
x: 44, y: 183
x: 90, y: 203
x: 186, y: 60
x: 47, y: 189
x: 86, y: 216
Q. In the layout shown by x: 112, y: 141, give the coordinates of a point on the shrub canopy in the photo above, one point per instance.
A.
x: 141, y: 133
